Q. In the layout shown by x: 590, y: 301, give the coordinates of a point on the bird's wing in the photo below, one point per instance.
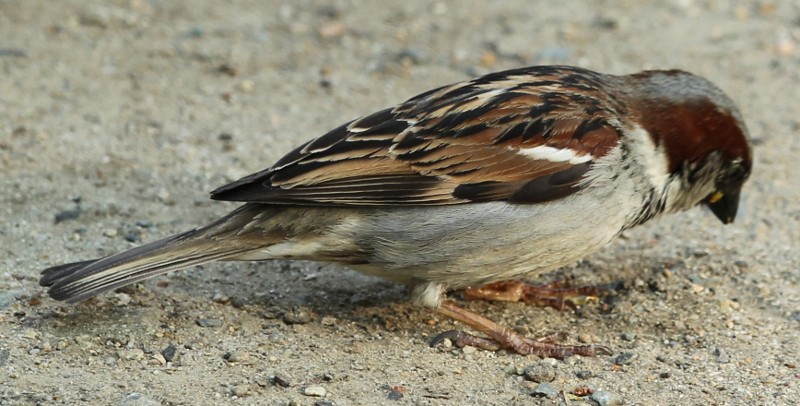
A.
x: 523, y: 136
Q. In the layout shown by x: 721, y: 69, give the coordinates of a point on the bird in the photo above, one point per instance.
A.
x: 483, y: 182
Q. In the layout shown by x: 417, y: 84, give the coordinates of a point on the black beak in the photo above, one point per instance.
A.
x: 724, y: 204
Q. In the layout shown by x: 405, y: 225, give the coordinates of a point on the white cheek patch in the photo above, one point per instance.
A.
x: 654, y: 160
x: 552, y: 154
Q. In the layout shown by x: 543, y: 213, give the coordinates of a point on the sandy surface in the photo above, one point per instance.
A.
x: 138, y: 108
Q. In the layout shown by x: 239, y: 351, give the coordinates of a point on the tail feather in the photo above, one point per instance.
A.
x: 81, y: 280
x: 52, y: 274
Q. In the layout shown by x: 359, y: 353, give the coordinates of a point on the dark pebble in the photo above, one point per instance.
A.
x: 144, y: 223
x: 625, y: 358
x: 584, y: 374
x: 4, y: 355
x: 795, y: 316
x: 657, y: 285
x: 170, y: 352
x: 394, y: 395
x: 238, y: 302
x: 282, y: 382
x: 70, y: 214
x: 133, y: 236
x: 209, y: 322
x: 324, y: 403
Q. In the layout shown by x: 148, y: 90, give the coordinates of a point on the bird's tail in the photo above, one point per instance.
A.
x: 81, y: 280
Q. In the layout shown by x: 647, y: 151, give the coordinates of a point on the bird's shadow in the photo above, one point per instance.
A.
x: 289, y: 291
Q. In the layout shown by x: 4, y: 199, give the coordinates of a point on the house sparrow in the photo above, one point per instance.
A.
x: 508, y: 175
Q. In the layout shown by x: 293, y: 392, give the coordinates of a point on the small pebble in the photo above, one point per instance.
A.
x: 315, y: 390
x: 540, y: 372
x: 30, y: 334
x: 394, y: 395
x: 247, y: 86
x: 332, y: 29
x: 170, y: 353
x: 237, y: 356
x: 625, y: 358
x: 209, y: 322
x: 795, y: 316
x: 469, y: 350
x: 111, y: 233
x: 722, y: 356
x: 544, y: 390
x: 123, y: 299
x: 163, y: 195
x: 220, y: 298
x: 282, y: 382
x: 728, y: 305
x: 628, y: 336
x: 605, y: 398
x: 584, y: 374
x: 70, y: 214
x: 8, y: 297
x: 158, y: 359
x: 133, y: 236
x: 296, y: 317
x: 240, y: 390
x: 238, y: 302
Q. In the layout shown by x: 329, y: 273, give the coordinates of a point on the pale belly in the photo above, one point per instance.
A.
x: 476, y: 244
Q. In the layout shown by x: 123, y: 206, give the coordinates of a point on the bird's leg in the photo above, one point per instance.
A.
x: 500, y: 337
x: 557, y: 295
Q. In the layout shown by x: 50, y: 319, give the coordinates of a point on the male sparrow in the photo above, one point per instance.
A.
x: 508, y: 175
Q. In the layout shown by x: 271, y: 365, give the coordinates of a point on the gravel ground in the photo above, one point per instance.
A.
x: 117, y: 118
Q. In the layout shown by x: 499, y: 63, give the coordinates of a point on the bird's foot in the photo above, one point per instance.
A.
x: 500, y: 337
x: 558, y: 295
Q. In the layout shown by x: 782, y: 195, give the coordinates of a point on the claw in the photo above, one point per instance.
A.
x: 451, y: 335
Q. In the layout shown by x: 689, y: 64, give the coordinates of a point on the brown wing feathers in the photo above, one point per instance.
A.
x: 471, y: 141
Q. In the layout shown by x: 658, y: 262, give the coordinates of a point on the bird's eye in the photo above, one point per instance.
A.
x: 737, y: 173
